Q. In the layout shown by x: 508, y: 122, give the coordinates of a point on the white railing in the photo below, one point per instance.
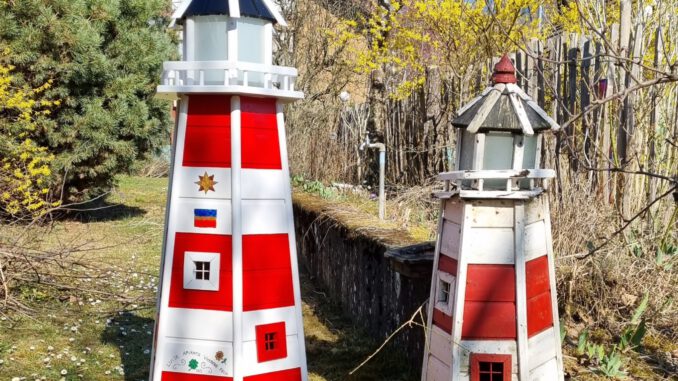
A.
x: 227, y: 73
x: 482, y: 183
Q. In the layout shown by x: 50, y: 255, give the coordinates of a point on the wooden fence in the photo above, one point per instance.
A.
x: 599, y: 88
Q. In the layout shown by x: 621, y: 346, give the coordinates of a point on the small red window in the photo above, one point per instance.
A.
x: 271, y: 342
x: 486, y: 367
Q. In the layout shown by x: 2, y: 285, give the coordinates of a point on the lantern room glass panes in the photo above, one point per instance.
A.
x: 498, y: 155
x: 530, y: 152
x: 252, y: 46
x: 498, y: 151
x: 466, y: 150
x: 211, y: 44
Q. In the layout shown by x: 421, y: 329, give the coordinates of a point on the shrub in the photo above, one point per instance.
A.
x: 102, y: 58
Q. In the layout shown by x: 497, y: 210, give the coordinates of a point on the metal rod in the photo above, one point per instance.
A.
x: 382, y: 169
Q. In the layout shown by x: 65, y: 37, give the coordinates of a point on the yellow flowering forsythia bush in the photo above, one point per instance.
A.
x: 454, y: 35
x: 24, y: 165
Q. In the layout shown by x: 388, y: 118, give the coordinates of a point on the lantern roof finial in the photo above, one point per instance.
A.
x: 504, y: 71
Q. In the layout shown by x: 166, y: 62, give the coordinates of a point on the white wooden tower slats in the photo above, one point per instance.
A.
x: 480, y: 245
x: 229, y: 305
x: 493, y: 312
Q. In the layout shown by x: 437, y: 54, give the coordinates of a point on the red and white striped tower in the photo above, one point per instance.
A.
x: 492, y: 313
x: 229, y: 306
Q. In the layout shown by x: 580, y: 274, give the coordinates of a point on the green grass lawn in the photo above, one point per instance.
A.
x: 98, y: 323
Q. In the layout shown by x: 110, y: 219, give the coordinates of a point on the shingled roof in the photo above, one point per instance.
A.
x: 262, y: 9
x: 504, y: 107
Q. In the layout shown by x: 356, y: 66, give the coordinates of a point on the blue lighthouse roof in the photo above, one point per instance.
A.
x: 250, y: 8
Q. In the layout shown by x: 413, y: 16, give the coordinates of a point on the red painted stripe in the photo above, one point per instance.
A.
x: 539, y: 306
x: 267, y: 289
x: 539, y: 314
x: 208, y: 132
x: 442, y: 320
x: 447, y: 264
x: 284, y: 375
x: 221, y: 300
x: 491, y: 283
x: 175, y: 376
x: 266, y: 252
x: 267, y: 272
x: 260, y: 112
x: 489, y: 321
x: 537, y: 274
x: 260, y: 144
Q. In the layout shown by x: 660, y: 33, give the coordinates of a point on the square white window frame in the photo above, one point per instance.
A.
x: 447, y: 278
x: 190, y: 282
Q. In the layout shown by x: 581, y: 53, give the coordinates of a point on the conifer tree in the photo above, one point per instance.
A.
x: 103, y: 59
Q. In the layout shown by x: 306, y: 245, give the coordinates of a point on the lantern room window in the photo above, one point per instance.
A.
x: 211, y: 38
x: 497, y: 150
x: 489, y: 367
x: 254, y: 46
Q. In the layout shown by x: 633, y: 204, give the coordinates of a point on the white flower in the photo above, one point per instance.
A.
x: 64, y: 372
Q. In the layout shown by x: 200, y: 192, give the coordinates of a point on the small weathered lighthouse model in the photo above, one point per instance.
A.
x: 492, y: 312
x: 229, y: 304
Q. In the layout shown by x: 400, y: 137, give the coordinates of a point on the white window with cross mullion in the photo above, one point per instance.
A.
x: 201, y: 271
x: 445, y: 292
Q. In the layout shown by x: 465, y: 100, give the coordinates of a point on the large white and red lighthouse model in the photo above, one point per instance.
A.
x: 229, y: 303
x: 492, y: 313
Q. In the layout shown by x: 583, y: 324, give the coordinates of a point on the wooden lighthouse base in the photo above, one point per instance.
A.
x: 493, y: 313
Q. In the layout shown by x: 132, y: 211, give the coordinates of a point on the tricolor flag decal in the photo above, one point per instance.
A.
x: 205, y: 218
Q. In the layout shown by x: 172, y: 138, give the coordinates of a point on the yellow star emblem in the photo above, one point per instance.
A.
x: 206, y: 183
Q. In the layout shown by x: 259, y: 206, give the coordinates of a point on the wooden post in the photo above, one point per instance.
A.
x: 519, y: 69
x: 624, y: 128
x: 654, y: 122
x: 532, y: 68
x: 585, y: 99
x: 608, y: 153
x: 632, y: 148
x: 541, y: 91
x: 572, y: 54
x: 432, y: 116
x: 596, y: 124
